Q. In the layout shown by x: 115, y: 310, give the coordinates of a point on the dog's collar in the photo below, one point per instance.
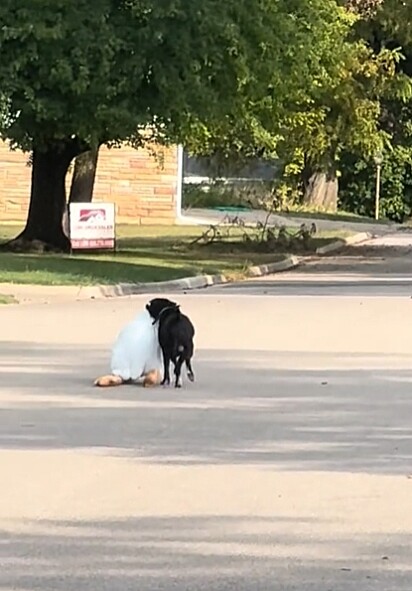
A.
x: 176, y: 307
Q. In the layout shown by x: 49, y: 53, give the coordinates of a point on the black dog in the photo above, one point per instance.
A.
x: 176, y: 333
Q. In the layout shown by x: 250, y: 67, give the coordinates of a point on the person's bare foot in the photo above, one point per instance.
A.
x: 151, y: 378
x: 109, y: 381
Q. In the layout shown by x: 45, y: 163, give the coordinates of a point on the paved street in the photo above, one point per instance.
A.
x: 380, y: 267
x: 286, y: 466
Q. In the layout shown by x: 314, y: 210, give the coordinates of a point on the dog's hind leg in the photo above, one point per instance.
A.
x: 178, y: 371
x: 190, y: 373
x: 166, y: 369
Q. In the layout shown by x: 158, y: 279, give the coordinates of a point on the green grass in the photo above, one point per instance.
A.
x: 143, y: 254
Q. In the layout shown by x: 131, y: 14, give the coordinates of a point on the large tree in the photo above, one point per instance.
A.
x: 84, y: 175
x: 76, y: 75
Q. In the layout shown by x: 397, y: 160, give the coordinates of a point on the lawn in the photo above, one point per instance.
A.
x: 155, y: 253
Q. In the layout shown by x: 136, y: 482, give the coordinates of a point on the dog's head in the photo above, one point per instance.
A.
x: 158, y: 306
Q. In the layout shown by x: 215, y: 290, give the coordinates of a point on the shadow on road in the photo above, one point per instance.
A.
x: 245, y: 408
x: 282, y: 413
x: 199, y: 553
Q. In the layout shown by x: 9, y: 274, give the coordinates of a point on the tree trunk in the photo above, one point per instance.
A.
x: 84, y: 174
x: 44, y: 231
x: 321, y: 190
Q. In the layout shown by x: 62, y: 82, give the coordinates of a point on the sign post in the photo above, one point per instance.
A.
x: 92, y: 226
x: 378, y: 161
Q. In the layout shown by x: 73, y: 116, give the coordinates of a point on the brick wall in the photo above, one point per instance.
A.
x: 143, y: 187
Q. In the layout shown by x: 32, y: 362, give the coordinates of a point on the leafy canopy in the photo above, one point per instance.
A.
x: 101, y: 70
x: 332, y: 102
x: 304, y: 57
x: 205, y: 71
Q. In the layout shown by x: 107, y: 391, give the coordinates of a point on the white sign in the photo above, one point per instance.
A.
x: 92, y: 225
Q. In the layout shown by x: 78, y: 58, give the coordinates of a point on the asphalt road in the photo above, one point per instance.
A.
x: 317, y: 285
x: 379, y: 267
x: 286, y: 466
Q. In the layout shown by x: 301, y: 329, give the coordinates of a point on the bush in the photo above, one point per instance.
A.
x: 358, y: 185
x: 277, y: 195
x: 209, y: 196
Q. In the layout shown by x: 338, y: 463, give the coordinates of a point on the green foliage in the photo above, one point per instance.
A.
x: 385, y: 25
x: 334, y: 103
x: 211, y: 196
x: 353, y: 98
x: 102, y: 72
x: 308, y: 81
x: 344, y: 110
x: 358, y: 185
x: 395, y: 17
x: 304, y: 58
x: 276, y: 195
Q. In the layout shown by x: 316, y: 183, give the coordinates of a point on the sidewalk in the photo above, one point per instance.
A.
x: 211, y: 216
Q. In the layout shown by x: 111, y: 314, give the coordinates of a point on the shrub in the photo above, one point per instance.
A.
x: 358, y: 185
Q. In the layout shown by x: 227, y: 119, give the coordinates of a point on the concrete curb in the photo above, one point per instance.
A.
x: 184, y: 284
x: 126, y: 289
x: 289, y: 262
x: 46, y: 292
x: 339, y: 244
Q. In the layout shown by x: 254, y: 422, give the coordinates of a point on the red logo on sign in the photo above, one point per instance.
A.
x: 92, y: 215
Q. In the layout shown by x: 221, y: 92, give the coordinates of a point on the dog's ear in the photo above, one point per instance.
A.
x: 152, y: 314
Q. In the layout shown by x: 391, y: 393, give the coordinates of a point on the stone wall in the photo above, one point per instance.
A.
x: 143, y: 187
